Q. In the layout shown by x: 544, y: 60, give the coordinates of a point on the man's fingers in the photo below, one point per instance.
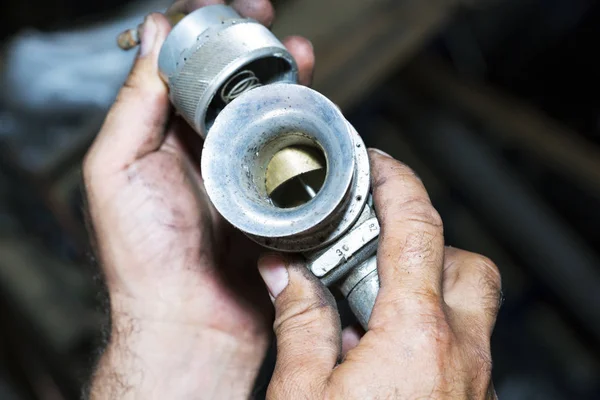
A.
x: 260, y: 10
x: 351, y: 336
x: 472, y: 287
x: 411, y: 244
x: 187, y: 6
x: 302, y: 50
x: 136, y: 123
x: 307, y: 327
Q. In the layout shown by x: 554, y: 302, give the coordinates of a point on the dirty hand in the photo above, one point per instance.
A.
x: 429, y: 333
x: 189, y: 316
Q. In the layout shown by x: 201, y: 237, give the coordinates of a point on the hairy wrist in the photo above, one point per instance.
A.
x: 157, y: 359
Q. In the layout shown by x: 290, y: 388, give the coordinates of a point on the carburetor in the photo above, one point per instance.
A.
x: 280, y: 162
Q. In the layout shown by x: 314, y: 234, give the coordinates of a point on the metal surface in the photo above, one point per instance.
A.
x: 242, y: 143
x: 361, y: 245
x: 239, y: 84
x: 232, y: 44
x: 345, y: 248
x: 280, y: 162
x: 337, y: 229
x: 290, y: 163
x: 361, y: 288
x: 185, y: 33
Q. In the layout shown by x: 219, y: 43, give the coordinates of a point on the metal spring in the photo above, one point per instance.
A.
x: 238, y: 84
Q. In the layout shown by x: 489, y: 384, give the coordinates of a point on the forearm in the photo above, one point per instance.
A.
x: 158, y: 361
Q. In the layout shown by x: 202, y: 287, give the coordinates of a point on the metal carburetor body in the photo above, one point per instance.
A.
x: 280, y: 162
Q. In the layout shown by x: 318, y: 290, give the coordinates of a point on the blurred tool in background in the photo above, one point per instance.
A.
x: 493, y: 103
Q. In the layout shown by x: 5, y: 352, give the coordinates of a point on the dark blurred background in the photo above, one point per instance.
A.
x: 493, y: 102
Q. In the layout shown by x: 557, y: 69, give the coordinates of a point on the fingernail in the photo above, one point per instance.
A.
x: 147, y: 36
x: 382, y: 153
x: 273, y: 271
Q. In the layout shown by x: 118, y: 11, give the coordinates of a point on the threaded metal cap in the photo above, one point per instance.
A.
x: 213, y: 55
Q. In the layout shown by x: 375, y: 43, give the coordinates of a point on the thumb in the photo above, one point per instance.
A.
x: 135, y: 124
x: 307, y: 327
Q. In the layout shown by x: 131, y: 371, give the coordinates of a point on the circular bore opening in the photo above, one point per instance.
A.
x: 295, y: 175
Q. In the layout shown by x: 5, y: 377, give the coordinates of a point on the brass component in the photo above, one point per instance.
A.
x: 292, y: 162
x: 130, y: 38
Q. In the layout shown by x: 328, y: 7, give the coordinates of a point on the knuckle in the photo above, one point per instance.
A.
x: 489, y: 273
x: 489, y: 269
x: 152, y: 95
x: 300, y: 315
x: 421, y: 211
x: 489, y: 282
x: 394, y: 172
x: 265, y: 9
x: 487, y: 266
x: 132, y: 90
x: 260, y: 6
x: 144, y: 83
x: 261, y: 10
x: 417, y: 246
x: 416, y: 214
x: 410, y: 245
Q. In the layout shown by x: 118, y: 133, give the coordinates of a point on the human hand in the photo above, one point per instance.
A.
x: 188, y: 315
x: 429, y: 333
